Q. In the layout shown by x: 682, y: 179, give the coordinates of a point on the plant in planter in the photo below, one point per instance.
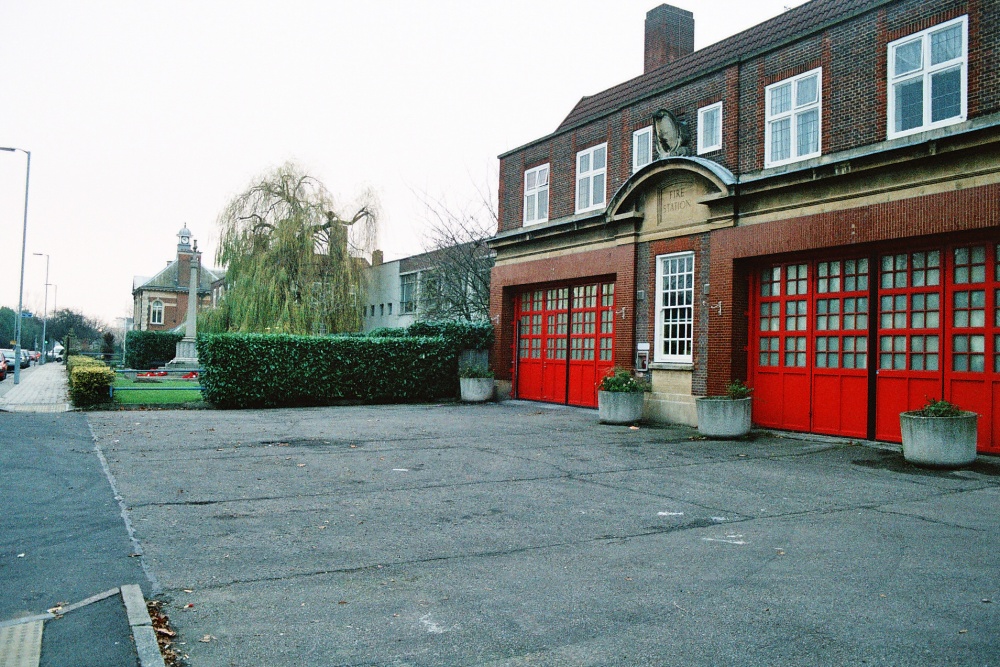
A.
x: 725, y: 416
x: 620, y: 397
x: 940, y: 435
x: 476, y: 382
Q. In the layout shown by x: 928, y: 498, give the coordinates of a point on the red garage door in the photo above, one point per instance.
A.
x: 565, y: 339
x: 939, y: 335
x: 932, y: 315
x: 811, y: 347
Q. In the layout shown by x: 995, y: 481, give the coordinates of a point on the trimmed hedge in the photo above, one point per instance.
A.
x: 144, y: 349
x: 90, y: 381
x: 462, y: 335
x: 280, y: 370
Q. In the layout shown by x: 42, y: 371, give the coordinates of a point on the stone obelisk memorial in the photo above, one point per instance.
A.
x: 186, y: 355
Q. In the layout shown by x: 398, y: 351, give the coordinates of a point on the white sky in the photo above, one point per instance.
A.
x: 145, y: 116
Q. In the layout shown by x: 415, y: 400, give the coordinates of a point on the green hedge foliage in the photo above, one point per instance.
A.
x: 279, y: 370
x: 144, y: 349
x: 462, y: 335
x: 90, y: 381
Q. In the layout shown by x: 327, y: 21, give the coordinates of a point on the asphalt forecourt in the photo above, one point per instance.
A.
x: 522, y: 534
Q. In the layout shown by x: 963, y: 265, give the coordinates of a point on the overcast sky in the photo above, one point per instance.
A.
x: 145, y: 116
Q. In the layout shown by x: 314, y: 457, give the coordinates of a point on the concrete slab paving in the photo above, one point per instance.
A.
x: 516, y: 534
x: 41, y: 389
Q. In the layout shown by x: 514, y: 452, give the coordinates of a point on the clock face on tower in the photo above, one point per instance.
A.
x: 184, y: 240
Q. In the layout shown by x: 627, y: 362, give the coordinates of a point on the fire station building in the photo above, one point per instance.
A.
x: 812, y: 205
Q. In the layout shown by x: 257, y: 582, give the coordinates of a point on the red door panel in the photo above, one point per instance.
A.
x: 840, y: 405
x: 972, y: 335
x: 529, y: 345
x: 909, y: 334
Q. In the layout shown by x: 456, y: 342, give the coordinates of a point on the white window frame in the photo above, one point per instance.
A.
x: 681, y: 264
x: 926, y: 71
x: 592, y: 175
x: 792, y: 114
x: 642, y: 139
x: 533, y: 213
x: 707, y: 144
x: 156, y: 312
x: 408, y: 307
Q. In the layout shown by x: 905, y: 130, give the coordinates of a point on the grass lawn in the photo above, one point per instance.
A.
x: 185, y: 392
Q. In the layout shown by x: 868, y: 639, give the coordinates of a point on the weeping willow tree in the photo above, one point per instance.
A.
x: 293, y: 264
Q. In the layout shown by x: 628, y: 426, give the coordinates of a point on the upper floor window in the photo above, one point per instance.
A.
x: 927, y: 79
x: 536, y: 195
x: 407, y: 294
x: 591, y: 170
x: 642, y: 148
x: 710, y: 128
x: 793, y: 112
x: 674, y: 308
x: 156, y: 312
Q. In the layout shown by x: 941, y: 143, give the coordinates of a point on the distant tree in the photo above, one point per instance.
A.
x: 458, y: 287
x: 108, y: 345
x: 293, y: 264
x: 6, y: 326
x: 88, y: 329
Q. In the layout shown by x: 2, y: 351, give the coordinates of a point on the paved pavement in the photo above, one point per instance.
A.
x: 65, y: 547
x: 519, y: 534
x: 42, y: 389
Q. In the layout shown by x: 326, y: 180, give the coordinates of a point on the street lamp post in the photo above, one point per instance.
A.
x: 45, y: 309
x: 24, y: 240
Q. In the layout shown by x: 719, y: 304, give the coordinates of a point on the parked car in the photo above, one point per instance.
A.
x: 9, y: 357
x: 25, y: 359
x: 35, y: 355
x: 3, y: 368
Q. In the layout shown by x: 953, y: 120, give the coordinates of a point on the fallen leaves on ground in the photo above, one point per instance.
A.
x: 164, y: 633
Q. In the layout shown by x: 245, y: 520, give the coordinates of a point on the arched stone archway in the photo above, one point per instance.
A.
x: 676, y: 196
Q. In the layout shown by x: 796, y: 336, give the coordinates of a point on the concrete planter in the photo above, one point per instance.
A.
x: 721, y: 417
x: 476, y: 390
x: 939, y: 442
x: 620, y: 407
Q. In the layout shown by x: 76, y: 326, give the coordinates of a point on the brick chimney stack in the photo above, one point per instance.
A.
x: 669, y: 35
x: 377, y: 258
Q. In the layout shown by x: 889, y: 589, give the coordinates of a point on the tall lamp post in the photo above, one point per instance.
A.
x: 24, y: 240
x: 45, y: 310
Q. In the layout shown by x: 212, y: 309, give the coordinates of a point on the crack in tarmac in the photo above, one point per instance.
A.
x: 652, y: 531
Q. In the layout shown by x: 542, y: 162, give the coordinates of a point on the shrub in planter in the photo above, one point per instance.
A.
x: 725, y: 416
x: 620, y: 397
x: 940, y: 435
x: 476, y: 382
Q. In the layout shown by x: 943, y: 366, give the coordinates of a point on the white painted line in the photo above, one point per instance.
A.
x: 670, y: 514
x: 83, y: 603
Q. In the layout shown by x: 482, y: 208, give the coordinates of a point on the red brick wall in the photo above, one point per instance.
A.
x: 853, y: 57
x: 617, y: 263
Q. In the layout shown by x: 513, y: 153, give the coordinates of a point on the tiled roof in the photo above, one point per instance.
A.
x: 167, y: 279
x: 790, y: 25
